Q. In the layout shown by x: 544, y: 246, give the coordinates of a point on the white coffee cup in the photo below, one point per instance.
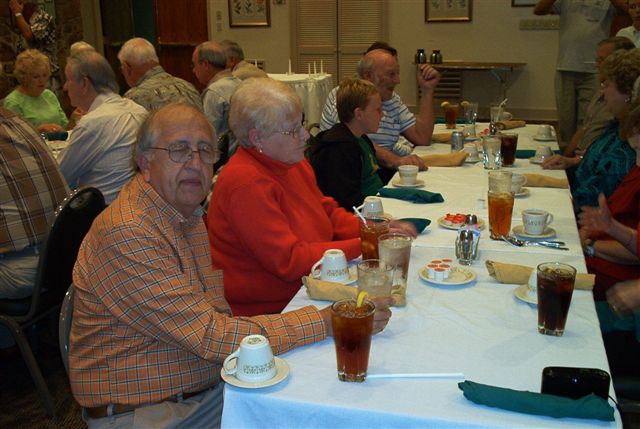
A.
x: 372, y: 207
x: 545, y: 131
x: 472, y: 150
x: 254, y: 360
x: 334, y: 266
x: 543, y: 152
x: 408, y: 174
x: 535, y: 221
x: 517, y: 182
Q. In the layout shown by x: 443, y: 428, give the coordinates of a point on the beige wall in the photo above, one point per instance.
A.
x: 493, y: 35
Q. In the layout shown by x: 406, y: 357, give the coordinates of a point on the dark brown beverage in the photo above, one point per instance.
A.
x: 500, y: 211
x: 508, y: 146
x: 555, y: 288
x: 352, y: 329
x: 450, y: 115
x: 369, y: 233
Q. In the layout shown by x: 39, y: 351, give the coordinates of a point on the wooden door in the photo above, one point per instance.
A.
x: 180, y: 27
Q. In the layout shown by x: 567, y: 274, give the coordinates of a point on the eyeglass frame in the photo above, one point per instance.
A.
x: 189, y: 156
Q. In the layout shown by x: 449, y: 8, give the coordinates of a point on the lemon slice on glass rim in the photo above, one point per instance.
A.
x: 362, y: 295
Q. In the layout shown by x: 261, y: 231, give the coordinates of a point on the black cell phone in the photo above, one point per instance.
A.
x: 575, y: 382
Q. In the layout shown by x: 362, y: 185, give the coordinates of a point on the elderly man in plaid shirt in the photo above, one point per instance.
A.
x: 150, y: 324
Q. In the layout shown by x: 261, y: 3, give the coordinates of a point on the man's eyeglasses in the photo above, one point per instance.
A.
x: 181, y: 152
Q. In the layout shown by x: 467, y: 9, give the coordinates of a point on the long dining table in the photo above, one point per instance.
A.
x: 480, y: 329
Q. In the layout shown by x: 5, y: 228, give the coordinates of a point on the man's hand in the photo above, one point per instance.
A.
x: 624, y: 297
x: 427, y: 77
x: 380, y: 317
x: 596, y: 219
x: 411, y: 160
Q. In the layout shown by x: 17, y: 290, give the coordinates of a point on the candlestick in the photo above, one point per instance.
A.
x: 309, y: 69
x: 321, y: 67
x: 289, y: 65
x: 314, y: 68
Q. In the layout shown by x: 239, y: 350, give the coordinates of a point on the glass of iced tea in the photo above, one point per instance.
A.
x: 500, y: 203
x: 450, y: 115
x: 374, y: 227
x: 508, y: 147
x: 352, y: 329
x: 555, y: 288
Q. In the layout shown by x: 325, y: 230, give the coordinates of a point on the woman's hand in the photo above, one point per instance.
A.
x: 559, y: 162
x: 624, y: 297
x: 596, y: 219
x: 50, y: 128
x: 403, y: 227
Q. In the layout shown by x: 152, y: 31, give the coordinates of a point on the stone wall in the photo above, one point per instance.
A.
x: 68, y: 30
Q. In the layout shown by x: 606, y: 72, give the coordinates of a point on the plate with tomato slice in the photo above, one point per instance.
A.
x: 456, y: 220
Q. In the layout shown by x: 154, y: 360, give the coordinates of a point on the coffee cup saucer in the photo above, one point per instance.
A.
x: 523, y: 293
x: 543, y: 138
x: 282, y: 372
x: 353, y: 275
x: 472, y: 159
x: 523, y: 192
x: 419, y: 184
x: 519, y: 231
x: 536, y: 160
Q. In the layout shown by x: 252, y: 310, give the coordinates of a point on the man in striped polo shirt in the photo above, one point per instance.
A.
x: 381, y: 67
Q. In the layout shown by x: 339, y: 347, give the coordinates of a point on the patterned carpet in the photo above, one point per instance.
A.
x: 20, y: 405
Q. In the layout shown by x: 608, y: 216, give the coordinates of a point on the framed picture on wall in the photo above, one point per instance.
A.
x: 522, y: 3
x: 447, y: 10
x: 249, y: 13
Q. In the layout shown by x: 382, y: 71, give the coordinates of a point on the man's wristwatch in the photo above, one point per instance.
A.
x: 589, y: 248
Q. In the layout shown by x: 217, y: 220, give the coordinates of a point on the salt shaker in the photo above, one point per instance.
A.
x: 467, y: 245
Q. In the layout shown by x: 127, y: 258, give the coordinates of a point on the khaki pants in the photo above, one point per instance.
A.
x: 574, y: 91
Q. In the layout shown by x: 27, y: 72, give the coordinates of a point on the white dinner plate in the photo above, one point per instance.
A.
x: 524, y: 192
x: 457, y: 276
x: 282, y: 372
x: 518, y: 230
x: 419, y: 184
x: 545, y: 139
x: 448, y: 225
x: 353, y: 274
x: 523, y: 293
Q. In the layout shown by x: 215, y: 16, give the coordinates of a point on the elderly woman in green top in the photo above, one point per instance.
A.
x: 31, y: 98
x: 343, y: 157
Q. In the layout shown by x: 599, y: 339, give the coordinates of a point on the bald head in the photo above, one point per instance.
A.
x: 382, y: 69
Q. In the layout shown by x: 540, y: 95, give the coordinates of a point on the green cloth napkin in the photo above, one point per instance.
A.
x: 414, y: 195
x: 528, y: 153
x: 419, y: 223
x: 588, y: 407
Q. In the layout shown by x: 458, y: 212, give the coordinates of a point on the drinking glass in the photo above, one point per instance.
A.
x: 491, y: 157
x: 555, y: 288
x: 500, y: 203
x: 352, y: 329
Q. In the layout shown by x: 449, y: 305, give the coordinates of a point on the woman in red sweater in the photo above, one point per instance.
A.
x: 268, y: 221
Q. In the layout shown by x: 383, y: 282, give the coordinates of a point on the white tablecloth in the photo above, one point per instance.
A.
x: 312, y: 89
x: 479, y: 329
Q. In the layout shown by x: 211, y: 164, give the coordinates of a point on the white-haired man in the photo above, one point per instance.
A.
x: 100, y: 147
x: 151, y: 86
x: 210, y: 67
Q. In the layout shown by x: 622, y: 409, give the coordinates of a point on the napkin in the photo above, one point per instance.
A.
x: 508, y: 125
x: 440, y: 138
x: 329, y: 291
x: 529, y: 153
x: 519, y: 274
x: 414, y: 195
x: 57, y: 135
x: 587, y: 407
x: 542, y: 181
x: 453, y: 159
x: 419, y: 223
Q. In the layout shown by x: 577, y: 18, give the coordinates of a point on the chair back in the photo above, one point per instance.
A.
x: 64, y: 325
x: 72, y: 221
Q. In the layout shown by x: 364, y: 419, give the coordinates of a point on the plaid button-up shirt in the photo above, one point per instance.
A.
x: 150, y: 320
x: 31, y: 184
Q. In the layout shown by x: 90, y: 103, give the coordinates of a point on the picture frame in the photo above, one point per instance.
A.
x: 448, y: 10
x: 249, y: 13
x: 522, y: 3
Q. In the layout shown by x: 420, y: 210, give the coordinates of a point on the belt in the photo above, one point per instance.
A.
x: 114, y: 409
